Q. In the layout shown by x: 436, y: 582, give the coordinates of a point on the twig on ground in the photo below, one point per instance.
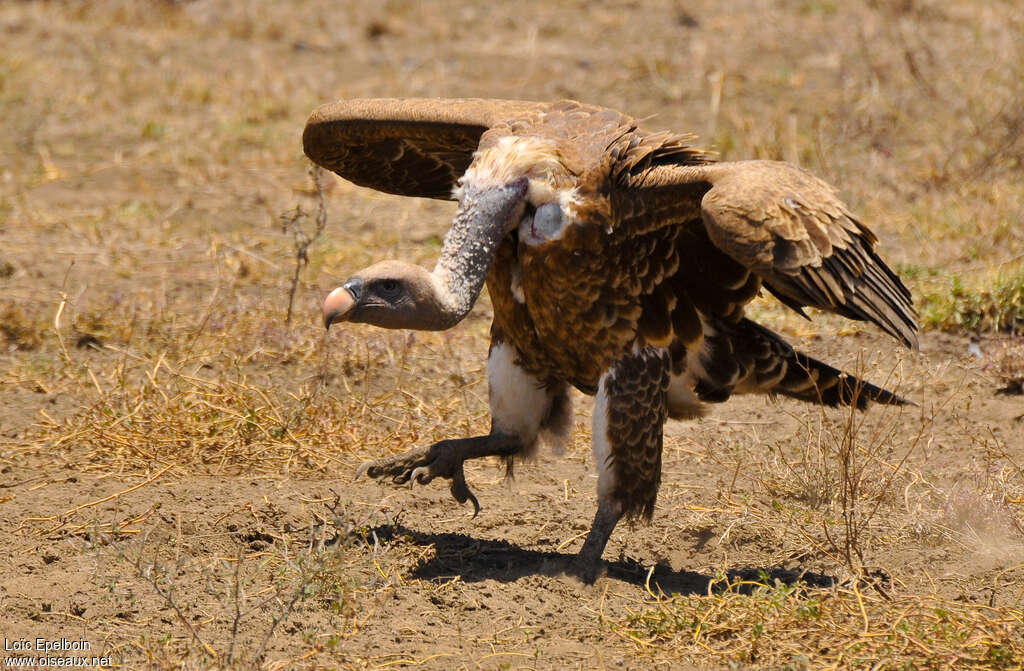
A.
x: 146, y: 573
x: 293, y: 221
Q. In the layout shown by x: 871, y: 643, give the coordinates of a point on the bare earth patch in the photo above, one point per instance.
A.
x: 176, y: 457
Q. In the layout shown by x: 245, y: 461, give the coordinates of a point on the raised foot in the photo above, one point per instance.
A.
x: 440, y: 460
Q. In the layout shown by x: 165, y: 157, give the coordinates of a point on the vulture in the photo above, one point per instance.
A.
x: 618, y: 261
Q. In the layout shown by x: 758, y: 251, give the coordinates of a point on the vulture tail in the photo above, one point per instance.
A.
x: 745, y: 357
x: 812, y: 380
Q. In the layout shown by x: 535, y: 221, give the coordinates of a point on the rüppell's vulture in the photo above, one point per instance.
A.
x: 619, y: 261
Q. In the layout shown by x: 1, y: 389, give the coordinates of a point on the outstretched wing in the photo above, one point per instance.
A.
x: 410, y: 147
x: 789, y: 228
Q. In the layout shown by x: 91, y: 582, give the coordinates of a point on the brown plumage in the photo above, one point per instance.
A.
x: 618, y: 261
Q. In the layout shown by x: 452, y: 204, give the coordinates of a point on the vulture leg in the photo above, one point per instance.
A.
x: 629, y: 413
x: 522, y: 409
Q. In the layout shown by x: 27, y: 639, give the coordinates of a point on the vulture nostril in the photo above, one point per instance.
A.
x: 354, y: 287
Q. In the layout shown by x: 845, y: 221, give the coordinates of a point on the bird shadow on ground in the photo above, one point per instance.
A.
x: 468, y: 559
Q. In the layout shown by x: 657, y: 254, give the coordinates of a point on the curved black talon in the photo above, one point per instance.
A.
x: 443, y: 459
x: 404, y: 469
x: 362, y: 469
x: 460, y: 490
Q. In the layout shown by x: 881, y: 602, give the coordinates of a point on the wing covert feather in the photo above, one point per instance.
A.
x: 410, y: 147
x: 790, y: 228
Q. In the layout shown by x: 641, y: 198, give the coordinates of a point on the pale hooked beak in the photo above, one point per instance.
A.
x: 340, y: 302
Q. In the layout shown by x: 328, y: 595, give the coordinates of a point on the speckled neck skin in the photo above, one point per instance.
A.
x: 483, y: 220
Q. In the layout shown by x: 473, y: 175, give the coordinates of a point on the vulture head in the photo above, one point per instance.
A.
x: 398, y: 295
x: 391, y: 294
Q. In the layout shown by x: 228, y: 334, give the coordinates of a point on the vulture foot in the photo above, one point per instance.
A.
x: 443, y: 459
x: 587, y: 564
x: 422, y: 465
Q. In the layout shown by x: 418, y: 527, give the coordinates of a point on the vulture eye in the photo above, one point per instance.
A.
x: 389, y: 288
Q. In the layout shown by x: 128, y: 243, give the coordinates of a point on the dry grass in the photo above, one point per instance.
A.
x: 212, y: 409
x: 331, y: 570
x: 780, y: 626
x: 174, y: 413
x: 1009, y: 365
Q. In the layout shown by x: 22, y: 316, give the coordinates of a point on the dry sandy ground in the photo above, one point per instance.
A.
x: 176, y: 461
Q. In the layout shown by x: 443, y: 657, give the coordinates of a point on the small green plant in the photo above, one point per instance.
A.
x: 992, y: 304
